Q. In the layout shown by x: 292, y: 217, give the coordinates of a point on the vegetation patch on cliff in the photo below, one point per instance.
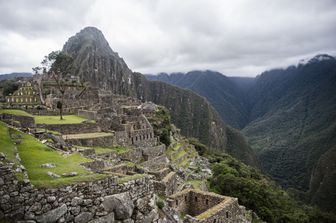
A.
x: 259, y: 193
x: 161, y: 124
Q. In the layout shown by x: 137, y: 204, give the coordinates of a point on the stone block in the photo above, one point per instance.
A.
x: 121, y: 204
x: 53, y: 215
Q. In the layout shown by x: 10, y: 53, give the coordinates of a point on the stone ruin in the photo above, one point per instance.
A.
x: 116, y: 121
x: 200, y: 206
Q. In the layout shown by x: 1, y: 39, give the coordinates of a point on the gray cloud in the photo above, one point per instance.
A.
x: 241, y: 37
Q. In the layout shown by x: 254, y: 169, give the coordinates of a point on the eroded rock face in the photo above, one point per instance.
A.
x: 53, y: 215
x: 120, y: 204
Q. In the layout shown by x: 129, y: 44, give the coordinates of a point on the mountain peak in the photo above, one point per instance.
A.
x: 89, y: 38
x: 317, y: 58
x: 97, y: 63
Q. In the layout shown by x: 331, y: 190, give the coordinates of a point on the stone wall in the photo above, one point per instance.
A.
x: 71, y: 128
x: 157, y: 163
x: 205, y: 206
x: 223, y: 212
x: 25, y: 121
x: 92, y: 115
x: 106, y: 141
x: 167, y: 186
x: 96, y: 165
x: 35, y: 111
x: 99, y: 201
x: 160, y: 174
x: 171, y: 183
x: 151, y: 152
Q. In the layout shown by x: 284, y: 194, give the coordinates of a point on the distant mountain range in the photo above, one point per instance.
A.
x: 288, y: 115
x: 224, y: 93
x: 12, y: 76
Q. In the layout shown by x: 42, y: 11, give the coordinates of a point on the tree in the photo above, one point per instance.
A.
x: 9, y: 86
x: 58, y: 65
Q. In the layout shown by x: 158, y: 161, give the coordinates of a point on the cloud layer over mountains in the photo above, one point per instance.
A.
x: 242, y: 37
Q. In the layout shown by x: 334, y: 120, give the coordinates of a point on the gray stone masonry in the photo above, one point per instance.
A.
x: 80, y: 202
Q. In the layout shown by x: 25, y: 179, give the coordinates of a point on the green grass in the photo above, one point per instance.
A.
x: 180, y: 154
x: 196, y: 184
x: 117, y: 149
x: 15, y: 112
x: 49, y: 131
x: 67, y: 119
x: 88, y: 135
x: 101, y: 150
x: 129, y: 178
x: 33, y: 154
x: 6, y: 145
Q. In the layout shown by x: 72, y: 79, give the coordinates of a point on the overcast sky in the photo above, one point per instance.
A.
x: 238, y: 37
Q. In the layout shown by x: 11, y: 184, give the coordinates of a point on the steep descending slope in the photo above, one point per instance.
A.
x: 290, y: 120
x: 323, y: 182
x: 294, y: 119
x: 101, y: 67
x: 219, y: 90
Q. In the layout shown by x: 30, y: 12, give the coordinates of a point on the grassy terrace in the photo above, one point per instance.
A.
x: 129, y: 178
x: 33, y: 154
x: 67, y: 119
x: 101, y: 150
x: 180, y: 150
x: 6, y: 145
x: 15, y: 112
x: 47, y: 119
x: 88, y: 135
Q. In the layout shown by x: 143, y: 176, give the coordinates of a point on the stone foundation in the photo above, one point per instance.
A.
x: 167, y: 186
x: 205, y: 207
x: 106, y: 141
x: 71, y: 128
x: 80, y: 202
x: 24, y: 121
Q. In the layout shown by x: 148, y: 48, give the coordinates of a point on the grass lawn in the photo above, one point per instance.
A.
x: 101, y: 150
x: 117, y: 149
x: 33, y: 154
x: 130, y: 177
x: 6, y: 145
x: 88, y: 135
x: 67, y: 119
x: 15, y: 112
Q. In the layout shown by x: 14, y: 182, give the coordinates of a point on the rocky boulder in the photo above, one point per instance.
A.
x: 53, y: 215
x: 120, y: 204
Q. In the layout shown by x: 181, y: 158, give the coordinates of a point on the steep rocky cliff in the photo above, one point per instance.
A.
x: 223, y: 93
x: 98, y: 65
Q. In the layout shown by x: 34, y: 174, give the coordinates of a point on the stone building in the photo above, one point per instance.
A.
x: 25, y: 95
x: 140, y: 132
x: 200, y: 206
